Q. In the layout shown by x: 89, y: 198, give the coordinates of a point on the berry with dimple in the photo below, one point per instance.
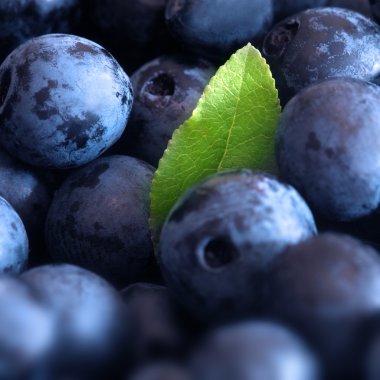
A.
x: 167, y: 90
x: 331, y: 155
x: 98, y: 219
x: 222, y: 234
x: 63, y: 101
x: 253, y: 350
x: 322, y: 43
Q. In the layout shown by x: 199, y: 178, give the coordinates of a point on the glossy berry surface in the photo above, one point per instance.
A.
x: 90, y: 315
x: 167, y: 90
x: 157, y: 331
x: 322, y: 43
x: 23, y: 19
x: 331, y: 155
x: 222, y: 234
x: 98, y: 219
x: 64, y: 100
x: 326, y: 287
x: 27, y: 331
x: 13, y: 240
x: 216, y: 28
x: 253, y: 350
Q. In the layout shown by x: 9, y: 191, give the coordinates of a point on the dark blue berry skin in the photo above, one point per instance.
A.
x: 23, y: 19
x: 161, y: 371
x: 157, y: 330
x: 64, y: 100
x: 27, y: 331
x: 13, y: 240
x: 91, y: 319
x: 322, y: 43
x: 327, y: 288
x: 29, y: 191
x: 220, y: 237
x: 134, y: 31
x: 328, y: 144
x: 167, y: 90
x: 285, y: 8
x: 216, y: 28
x: 253, y: 351
x: 98, y: 219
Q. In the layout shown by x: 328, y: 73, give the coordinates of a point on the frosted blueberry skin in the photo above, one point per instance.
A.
x: 64, y: 100
x: 167, y: 90
x: 253, y: 350
x: 27, y: 331
x: 328, y: 144
x: 91, y: 317
x: 156, y: 327
x: 220, y: 237
x: 98, y: 219
x: 322, y: 43
x: 217, y: 28
x: 14, y: 246
x: 327, y: 288
x: 23, y: 19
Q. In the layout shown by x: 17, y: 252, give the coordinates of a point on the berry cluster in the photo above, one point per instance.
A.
x: 255, y: 276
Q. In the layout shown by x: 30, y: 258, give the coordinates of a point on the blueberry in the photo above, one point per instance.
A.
x: 326, y: 287
x: 27, y: 331
x: 220, y: 237
x: 155, y: 321
x: 215, y: 29
x: 24, y: 19
x: 254, y: 351
x: 330, y: 154
x: 167, y: 91
x: 13, y: 240
x: 322, y: 43
x: 98, y: 219
x: 361, y: 6
x: 63, y: 101
x: 135, y: 31
x: 91, y: 318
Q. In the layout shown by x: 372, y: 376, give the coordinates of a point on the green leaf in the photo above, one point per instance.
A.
x: 233, y: 126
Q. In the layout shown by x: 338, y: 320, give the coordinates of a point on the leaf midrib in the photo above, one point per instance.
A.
x: 220, y: 166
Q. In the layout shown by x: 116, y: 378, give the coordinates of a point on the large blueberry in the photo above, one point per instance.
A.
x: 13, y: 240
x: 222, y: 234
x: 23, y: 19
x: 167, y: 90
x: 328, y: 147
x: 322, y: 43
x: 27, y: 331
x: 253, y: 351
x: 216, y: 28
x: 327, y: 287
x: 63, y: 101
x: 98, y: 219
x: 91, y: 318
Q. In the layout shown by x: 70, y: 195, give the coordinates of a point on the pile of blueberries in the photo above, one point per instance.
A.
x: 255, y: 277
